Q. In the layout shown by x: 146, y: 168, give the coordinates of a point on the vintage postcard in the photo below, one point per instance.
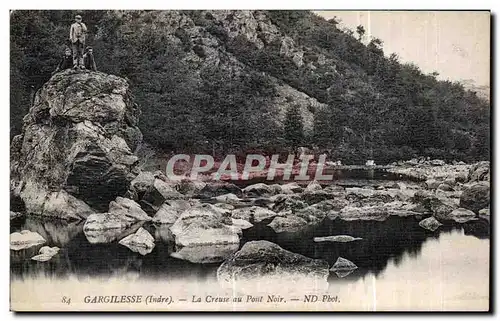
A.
x: 229, y: 160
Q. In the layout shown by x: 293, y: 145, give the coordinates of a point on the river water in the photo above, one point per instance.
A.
x: 401, y: 266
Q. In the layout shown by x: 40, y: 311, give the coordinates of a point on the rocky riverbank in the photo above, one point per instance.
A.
x: 74, y: 161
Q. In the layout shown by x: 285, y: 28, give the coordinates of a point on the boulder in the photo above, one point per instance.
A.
x: 288, y: 202
x: 337, y: 238
x: 276, y: 189
x: 432, y: 183
x: 370, y: 196
x: 230, y: 198
x: 377, y: 212
x: 46, y: 253
x: 430, y: 223
x: 151, y: 191
x: 190, y: 187
x: 141, y: 242
x: 312, y: 187
x: 331, y: 205
x: 315, y: 214
x: 476, y: 197
x: 437, y: 162
x: 24, y: 240
x: 289, y: 223
x: 141, y: 184
x: 291, y: 188
x: 479, y: 172
x: 167, y: 214
x: 242, y: 224
x: 333, y: 188
x: 254, y: 214
x: 204, y: 226
x: 441, y: 209
x: 317, y: 196
x: 182, y: 205
x: 367, y: 213
x: 485, y: 214
x: 462, y: 215
x: 76, y: 139
x: 445, y: 187
x: 450, y: 181
x: 343, y: 267
x: 259, y: 189
x: 214, y: 189
x: 268, y: 266
x: 106, y: 227
x: 225, y: 206
x: 123, y: 215
x: 128, y: 209
x: 54, y: 205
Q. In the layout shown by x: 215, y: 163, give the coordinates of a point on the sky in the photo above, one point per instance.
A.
x: 456, y: 44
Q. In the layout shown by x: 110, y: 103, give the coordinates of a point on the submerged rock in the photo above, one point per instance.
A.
x: 205, y: 253
x: 25, y: 239
x: 430, y: 223
x: 476, y: 197
x: 78, y: 138
x: 141, y: 242
x: 343, y: 267
x: 265, y: 264
x: 46, y: 253
x: 337, y: 238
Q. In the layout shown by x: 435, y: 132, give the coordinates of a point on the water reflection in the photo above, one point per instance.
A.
x: 382, y: 243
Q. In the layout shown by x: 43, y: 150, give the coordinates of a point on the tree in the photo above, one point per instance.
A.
x: 294, y: 128
x: 360, y: 30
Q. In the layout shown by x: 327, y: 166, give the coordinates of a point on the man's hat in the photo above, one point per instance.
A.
x: 88, y: 47
x: 78, y: 16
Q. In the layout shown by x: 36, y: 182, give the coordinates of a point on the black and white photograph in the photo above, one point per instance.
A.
x: 250, y: 160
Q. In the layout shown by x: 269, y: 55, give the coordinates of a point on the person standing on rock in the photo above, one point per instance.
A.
x: 77, y: 35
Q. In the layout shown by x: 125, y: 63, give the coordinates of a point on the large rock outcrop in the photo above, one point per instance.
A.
x: 75, y: 149
x: 476, y: 197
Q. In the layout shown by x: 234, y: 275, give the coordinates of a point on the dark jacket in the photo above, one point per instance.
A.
x: 89, y: 62
x: 65, y: 63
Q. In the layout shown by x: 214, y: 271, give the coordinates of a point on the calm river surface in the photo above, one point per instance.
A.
x: 399, y: 263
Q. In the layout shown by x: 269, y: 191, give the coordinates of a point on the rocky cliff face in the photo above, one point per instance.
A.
x: 219, y: 39
x: 75, y: 152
